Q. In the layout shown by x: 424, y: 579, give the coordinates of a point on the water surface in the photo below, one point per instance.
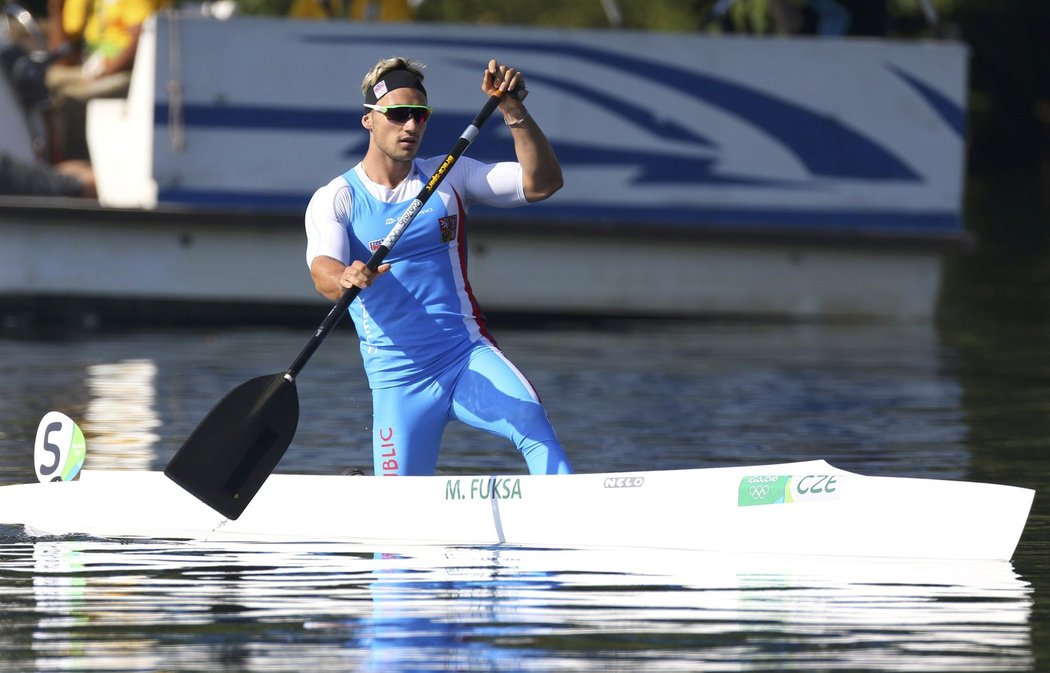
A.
x: 965, y: 402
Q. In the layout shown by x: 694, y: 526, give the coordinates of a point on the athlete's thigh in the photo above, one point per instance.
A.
x: 493, y: 395
x: 407, y: 424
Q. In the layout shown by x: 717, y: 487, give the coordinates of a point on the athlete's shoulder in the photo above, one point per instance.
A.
x: 333, y: 198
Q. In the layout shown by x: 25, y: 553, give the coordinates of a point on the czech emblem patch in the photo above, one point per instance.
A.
x: 448, y: 225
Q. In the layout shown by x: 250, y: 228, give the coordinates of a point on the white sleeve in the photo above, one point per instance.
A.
x: 496, y: 184
x: 327, y: 218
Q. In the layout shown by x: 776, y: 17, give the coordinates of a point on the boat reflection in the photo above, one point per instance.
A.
x: 254, y: 607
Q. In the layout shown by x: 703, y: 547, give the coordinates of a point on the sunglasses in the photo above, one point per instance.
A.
x: 400, y: 114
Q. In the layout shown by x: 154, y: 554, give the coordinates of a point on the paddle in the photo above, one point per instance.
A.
x: 226, y: 459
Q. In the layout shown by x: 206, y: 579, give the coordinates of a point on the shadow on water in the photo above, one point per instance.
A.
x: 995, y: 319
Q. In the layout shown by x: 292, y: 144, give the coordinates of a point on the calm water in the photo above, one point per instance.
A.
x: 967, y: 398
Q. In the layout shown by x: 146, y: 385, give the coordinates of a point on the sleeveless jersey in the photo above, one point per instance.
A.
x: 421, y: 316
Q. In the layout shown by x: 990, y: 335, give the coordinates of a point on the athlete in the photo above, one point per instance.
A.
x: 426, y: 350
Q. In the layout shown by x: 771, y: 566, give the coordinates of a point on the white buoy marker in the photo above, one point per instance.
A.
x: 60, y: 448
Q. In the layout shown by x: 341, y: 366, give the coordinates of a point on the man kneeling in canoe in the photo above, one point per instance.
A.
x: 426, y: 349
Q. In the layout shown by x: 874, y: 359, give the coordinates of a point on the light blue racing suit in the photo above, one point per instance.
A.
x: 426, y: 349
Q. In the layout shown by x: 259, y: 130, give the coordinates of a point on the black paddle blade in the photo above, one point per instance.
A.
x: 225, y: 461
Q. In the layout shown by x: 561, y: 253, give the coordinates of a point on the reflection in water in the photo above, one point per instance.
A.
x: 121, y: 417
x: 254, y: 607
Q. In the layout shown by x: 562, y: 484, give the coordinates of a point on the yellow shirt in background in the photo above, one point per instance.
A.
x: 105, y: 25
x: 359, y: 10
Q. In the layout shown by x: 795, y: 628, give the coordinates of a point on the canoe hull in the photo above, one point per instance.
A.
x: 793, y: 508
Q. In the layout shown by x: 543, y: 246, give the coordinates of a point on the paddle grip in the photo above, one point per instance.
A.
x: 350, y: 293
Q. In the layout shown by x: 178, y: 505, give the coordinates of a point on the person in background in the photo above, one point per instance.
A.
x: 826, y: 18
x: 58, y: 42
x: 426, y: 348
x: 107, y: 32
x: 36, y: 178
x: 354, y: 10
x: 831, y: 18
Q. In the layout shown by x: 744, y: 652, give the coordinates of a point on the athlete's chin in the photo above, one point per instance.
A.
x: 404, y: 153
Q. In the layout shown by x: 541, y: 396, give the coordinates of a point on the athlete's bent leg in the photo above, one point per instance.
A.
x: 491, y: 394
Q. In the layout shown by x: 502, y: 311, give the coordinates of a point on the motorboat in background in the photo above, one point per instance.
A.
x: 783, y: 177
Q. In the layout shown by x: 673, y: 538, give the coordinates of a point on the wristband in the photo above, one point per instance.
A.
x: 520, y: 122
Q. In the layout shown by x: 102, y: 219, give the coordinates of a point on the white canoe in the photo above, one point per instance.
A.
x: 791, y: 508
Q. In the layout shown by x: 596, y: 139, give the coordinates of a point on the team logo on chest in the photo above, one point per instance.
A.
x: 449, y: 226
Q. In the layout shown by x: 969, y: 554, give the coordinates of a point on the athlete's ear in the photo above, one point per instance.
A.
x: 366, y: 121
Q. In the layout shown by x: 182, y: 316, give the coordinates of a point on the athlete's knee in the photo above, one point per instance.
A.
x: 528, y: 418
x: 545, y: 457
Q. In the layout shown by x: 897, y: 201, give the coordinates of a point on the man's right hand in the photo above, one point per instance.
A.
x: 359, y: 275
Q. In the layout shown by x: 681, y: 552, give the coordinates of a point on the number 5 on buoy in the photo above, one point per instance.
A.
x: 60, y: 448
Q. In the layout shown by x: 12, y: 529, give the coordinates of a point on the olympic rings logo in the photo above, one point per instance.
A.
x: 759, y: 491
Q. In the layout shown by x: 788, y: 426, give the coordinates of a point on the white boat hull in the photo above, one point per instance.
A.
x: 197, y: 260
x: 794, y: 508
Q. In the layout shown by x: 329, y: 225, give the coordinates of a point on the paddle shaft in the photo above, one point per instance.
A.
x: 350, y: 293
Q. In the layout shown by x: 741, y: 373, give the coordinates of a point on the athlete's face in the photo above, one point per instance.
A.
x: 398, y: 140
